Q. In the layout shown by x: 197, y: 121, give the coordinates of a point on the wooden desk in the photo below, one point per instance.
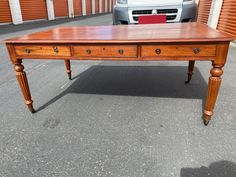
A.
x: 188, y: 41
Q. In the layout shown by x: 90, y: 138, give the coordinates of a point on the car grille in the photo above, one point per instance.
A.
x: 141, y: 12
x: 159, y: 11
x: 171, y: 17
x: 171, y: 14
x: 167, y: 11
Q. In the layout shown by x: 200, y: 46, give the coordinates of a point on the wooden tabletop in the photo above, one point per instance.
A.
x: 174, y: 32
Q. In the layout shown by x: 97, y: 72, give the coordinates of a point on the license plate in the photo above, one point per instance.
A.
x: 152, y: 19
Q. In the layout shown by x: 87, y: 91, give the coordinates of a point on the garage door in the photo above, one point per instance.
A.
x: 96, y: 6
x: 88, y: 7
x: 103, y: 6
x: 33, y: 10
x: 5, y: 13
x: 61, y: 8
x: 204, y: 11
x: 227, y: 20
x: 77, y: 7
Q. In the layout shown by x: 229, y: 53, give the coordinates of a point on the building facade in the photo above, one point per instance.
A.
x: 218, y: 14
x: 20, y: 11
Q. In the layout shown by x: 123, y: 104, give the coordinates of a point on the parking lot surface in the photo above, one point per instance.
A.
x: 121, y: 119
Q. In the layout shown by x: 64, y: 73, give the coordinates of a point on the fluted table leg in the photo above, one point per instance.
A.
x: 23, y: 83
x: 213, y: 89
x: 215, y: 80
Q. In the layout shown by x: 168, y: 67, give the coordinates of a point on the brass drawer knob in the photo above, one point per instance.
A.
x: 196, y: 50
x: 56, y: 50
x: 27, y: 50
x: 88, y: 51
x: 121, y: 51
x: 158, y: 51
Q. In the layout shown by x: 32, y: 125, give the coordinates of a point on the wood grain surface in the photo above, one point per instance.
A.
x: 176, y: 32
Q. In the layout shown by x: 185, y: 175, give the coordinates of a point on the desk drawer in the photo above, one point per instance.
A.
x: 42, y: 50
x: 178, y: 50
x: 127, y: 51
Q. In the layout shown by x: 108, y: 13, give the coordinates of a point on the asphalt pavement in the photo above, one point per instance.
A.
x: 119, y: 119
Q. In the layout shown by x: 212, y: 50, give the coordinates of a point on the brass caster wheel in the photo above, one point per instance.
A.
x: 206, y: 122
x: 69, y: 76
x: 31, y: 109
x: 186, y: 82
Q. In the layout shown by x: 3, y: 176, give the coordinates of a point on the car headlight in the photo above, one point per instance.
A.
x: 121, y: 1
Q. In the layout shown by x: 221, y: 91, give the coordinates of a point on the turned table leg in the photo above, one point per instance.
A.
x: 190, y: 71
x: 68, y: 68
x: 213, y: 89
x: 215, y: 80
x: 22, y: 80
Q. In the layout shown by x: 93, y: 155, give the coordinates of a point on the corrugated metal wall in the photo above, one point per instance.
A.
x: 61, y: 8
x: 88, y: 7
x: 103, y: 6
x: 204, y: 11
x: 227, y: 20
x: 37, y: 9
x: 96, y: 6
x: 77, y: 7
x: 5, y: 13
x: 33, y: 9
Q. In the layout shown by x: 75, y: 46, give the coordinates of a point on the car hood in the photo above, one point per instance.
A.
x: 154, y: 2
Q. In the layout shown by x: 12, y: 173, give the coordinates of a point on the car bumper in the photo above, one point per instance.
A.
x: 123, y: 15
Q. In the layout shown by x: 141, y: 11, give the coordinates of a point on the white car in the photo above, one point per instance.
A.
x: 128, y: 11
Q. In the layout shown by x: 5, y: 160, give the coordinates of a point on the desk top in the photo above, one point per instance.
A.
x: 174, y: 32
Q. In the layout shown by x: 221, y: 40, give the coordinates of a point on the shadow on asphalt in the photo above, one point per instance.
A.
x: 216, y: 169
x: 144, y: 81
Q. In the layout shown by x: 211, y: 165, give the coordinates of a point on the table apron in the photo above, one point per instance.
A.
x: 117, y: 51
